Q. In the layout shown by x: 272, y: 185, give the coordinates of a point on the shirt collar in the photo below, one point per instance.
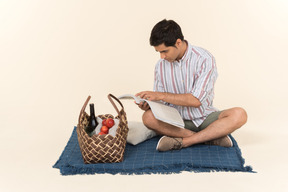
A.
x: 186, y: 52
x: 185, y: 56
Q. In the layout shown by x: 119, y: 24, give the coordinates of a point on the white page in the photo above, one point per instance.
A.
x: 166, y: 113
x: 161, y: 112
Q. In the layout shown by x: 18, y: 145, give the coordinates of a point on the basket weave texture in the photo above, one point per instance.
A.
x: 103, y: 148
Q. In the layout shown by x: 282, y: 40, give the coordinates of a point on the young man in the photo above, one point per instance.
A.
x: 184, y: 79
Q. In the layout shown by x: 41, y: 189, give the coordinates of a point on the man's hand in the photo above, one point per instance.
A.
x: 144, y: 106
x: 151, y: 95
x: 148, y: 95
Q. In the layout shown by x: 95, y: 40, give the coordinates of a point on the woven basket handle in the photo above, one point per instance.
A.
x: 110, y: 96
x: 83, y: 108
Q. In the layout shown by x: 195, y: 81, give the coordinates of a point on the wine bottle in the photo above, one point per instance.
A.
x: 92, y: 124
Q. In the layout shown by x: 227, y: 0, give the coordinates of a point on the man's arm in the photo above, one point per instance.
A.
x: 176, y: 99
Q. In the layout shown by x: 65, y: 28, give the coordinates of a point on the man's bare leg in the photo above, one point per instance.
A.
x: 229, y: 120
x: 162, y: 128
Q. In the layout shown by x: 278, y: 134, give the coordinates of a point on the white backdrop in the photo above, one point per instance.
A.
x: 53, y: 54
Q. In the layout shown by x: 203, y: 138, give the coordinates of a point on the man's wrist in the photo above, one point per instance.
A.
x: 164, y: 96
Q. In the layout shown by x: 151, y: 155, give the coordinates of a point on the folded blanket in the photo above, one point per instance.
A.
x: 145, y: 159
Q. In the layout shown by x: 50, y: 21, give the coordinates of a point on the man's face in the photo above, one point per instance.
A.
x: 168, y: 53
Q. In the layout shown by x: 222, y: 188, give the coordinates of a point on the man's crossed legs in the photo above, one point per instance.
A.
x: 213, y: 130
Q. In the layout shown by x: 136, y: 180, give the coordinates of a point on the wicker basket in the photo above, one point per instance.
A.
x: 103, y: 148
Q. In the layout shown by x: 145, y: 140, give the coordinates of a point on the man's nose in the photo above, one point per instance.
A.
x: 162, y: 55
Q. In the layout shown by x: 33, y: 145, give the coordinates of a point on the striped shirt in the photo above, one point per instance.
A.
x: 195, y: 73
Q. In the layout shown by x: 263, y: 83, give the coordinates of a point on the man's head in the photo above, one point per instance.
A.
x: 167, y: 32
x: 168, y: 40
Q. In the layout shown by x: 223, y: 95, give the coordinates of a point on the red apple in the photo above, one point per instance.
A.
x: 104, y: 122
x: 110, y: 122
x: 101, y: 133
x: 104, y: 129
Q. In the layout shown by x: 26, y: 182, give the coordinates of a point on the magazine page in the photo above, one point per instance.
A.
x: 166, y: 114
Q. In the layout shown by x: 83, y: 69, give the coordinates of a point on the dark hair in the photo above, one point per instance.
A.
x: 167, y: 32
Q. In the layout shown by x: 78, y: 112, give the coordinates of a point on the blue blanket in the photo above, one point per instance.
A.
x: 145, y: 159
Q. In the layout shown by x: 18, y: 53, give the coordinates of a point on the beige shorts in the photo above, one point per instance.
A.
x: 210, y: 119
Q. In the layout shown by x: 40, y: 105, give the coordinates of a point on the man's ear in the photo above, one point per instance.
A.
x: 178, y: 43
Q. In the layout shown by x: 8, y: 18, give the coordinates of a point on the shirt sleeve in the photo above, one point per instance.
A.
x: 158, y: 85
x: 205, y: 78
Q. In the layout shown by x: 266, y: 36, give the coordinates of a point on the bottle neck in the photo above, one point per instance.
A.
x: 92, y: 112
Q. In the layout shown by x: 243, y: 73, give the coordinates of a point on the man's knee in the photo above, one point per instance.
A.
x: 148, y: 119
x: 239, y: 116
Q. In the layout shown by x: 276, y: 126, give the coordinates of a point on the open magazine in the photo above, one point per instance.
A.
x: 161, y: 112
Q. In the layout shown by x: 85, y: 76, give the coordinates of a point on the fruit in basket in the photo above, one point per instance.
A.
x: 110, y: 122
x: 104, y: 129
x: 101, y: 133
x: 104, y: 122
